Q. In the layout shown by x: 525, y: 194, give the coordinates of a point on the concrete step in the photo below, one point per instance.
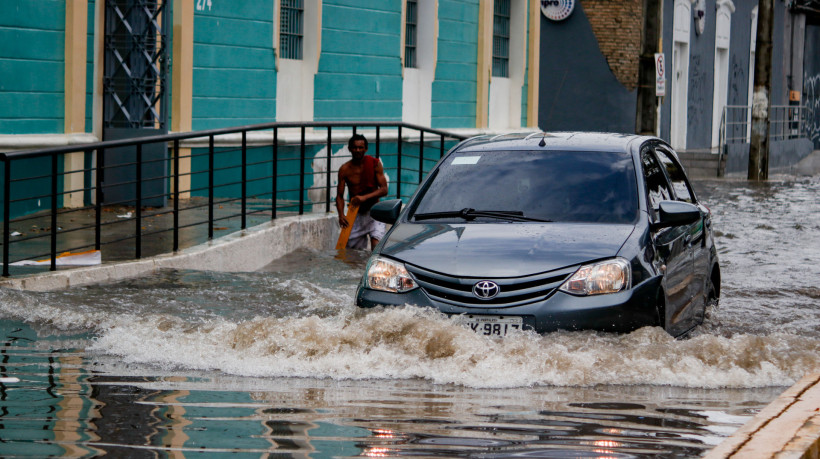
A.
x: 701, y: 164
x: 787, y: 428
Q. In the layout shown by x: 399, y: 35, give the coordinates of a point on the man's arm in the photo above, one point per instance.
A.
x: 340, y: 200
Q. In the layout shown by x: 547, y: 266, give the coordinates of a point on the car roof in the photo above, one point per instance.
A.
x: 573, y: 141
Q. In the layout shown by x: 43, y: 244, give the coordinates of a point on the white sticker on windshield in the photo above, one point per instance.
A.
x: 466, y: 160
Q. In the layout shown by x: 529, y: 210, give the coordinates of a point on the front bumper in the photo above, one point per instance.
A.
x: 618, y: 312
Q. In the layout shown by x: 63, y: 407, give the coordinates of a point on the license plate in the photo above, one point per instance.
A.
x: 492, y: 325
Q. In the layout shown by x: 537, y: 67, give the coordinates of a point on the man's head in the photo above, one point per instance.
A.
x: 357, y: 146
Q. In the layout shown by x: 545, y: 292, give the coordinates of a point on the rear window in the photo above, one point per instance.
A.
x: 561, y: 186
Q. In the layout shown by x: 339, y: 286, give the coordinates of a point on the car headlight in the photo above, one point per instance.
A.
x: 609, y: 276
x: 388, y: 276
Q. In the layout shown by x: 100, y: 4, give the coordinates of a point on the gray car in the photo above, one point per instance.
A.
x: 550, y: 231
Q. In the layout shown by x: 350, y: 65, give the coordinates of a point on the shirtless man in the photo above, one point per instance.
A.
x: 364, y: 175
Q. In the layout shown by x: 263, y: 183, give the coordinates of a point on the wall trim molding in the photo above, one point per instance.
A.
x: 20, y: 142
x: 286, y: 136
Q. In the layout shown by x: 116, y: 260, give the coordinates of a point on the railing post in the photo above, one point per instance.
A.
x: 99, y: 198
x: 274, y: 171
x: 421, y: 155
x: 329, y: 157
x: 53, y: 213
x: 302, y: 173
x: 210, y: 186
x: 138, y: 208
x: 6, y: 214
x: 378, y: 141
x: 176, y: 195
x: 244, y: 177
x: 398, y: 166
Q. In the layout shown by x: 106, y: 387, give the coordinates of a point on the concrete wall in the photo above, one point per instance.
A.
x: 618, y: 26
x: 234, y: 75
x: 701, y: 74
x: 359, y: 75
x: 740, y: 52
x: 811, y: 83
x: 244, y: 251
x: 578, y: 90
x: 454, y: 88
x: 784, y: 156
x: 32, y: 63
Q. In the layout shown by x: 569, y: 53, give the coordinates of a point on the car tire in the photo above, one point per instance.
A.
x: 711, y: 300
x: 712, y: 296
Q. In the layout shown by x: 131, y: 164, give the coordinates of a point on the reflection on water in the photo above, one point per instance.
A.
x: 70, y: 404
x: 279, y: 363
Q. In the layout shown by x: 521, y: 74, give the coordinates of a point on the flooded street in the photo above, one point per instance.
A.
x: 280, y: 363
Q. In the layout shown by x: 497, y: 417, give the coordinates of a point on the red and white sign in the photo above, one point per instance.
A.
x: 660, y: 75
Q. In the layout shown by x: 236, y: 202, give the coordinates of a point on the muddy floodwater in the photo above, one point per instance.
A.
x: 280, y: 363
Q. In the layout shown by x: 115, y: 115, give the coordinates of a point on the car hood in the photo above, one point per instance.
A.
x: 502, y: 250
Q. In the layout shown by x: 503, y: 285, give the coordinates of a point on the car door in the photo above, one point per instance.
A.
x: 672, y: 254
x: 695, y: 235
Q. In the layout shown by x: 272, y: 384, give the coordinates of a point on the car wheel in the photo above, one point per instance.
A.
x: 711, y: 300
x: 712, y: 296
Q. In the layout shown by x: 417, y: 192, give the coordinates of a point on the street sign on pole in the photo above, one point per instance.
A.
x: 660, y: 75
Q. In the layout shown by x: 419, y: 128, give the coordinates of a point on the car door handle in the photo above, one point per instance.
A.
x: 687, y: 239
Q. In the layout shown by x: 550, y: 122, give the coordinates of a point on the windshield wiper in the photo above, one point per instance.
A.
x: 471, y: 214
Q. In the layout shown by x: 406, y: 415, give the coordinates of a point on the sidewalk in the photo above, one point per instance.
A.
x: 76, y: 231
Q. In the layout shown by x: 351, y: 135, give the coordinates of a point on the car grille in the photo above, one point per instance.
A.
x: 514, y: 291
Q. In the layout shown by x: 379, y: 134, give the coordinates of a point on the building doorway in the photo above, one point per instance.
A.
x: 680, y: 74
x: 135, y: 97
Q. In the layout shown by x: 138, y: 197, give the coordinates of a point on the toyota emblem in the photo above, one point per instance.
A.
x: 486, y: 290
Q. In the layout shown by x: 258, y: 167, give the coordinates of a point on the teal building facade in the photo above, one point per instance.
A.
x: 67, y: 75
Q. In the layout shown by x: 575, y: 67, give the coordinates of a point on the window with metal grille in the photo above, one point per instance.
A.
x: 290, y: 29
x: 501, y: 38
x: 410, y: 34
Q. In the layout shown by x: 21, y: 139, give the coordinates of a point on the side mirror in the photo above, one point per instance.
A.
x: 676, y: 213
x: 386, y: 211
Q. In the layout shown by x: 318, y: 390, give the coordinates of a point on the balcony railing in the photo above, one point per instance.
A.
x: 208, y: 176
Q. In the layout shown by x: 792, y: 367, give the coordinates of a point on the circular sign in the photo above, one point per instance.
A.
x: 557, y: 10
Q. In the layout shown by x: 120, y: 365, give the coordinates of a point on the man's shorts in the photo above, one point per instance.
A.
x: 365, y: 226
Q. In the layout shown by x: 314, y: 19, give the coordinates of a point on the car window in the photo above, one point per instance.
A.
x: 677, y: 177
x: 545, y: 184
x: 656, y: 184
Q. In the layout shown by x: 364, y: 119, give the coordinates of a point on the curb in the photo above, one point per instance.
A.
x: 787, y: 428
x: 242, y: 251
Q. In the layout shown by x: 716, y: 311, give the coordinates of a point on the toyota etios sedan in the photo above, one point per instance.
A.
x: 550, y: 231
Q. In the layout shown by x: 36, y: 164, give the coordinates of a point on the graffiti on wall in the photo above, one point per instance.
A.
x: 697, y: 96
x: 738, y: 94
x: 811, y: 100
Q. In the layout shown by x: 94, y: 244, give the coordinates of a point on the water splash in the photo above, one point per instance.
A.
x: 297, y: 319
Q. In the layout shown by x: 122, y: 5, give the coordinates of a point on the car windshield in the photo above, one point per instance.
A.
x: 556, y: 186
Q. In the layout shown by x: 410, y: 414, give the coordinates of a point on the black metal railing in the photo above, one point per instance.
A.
x: 231, y: 176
